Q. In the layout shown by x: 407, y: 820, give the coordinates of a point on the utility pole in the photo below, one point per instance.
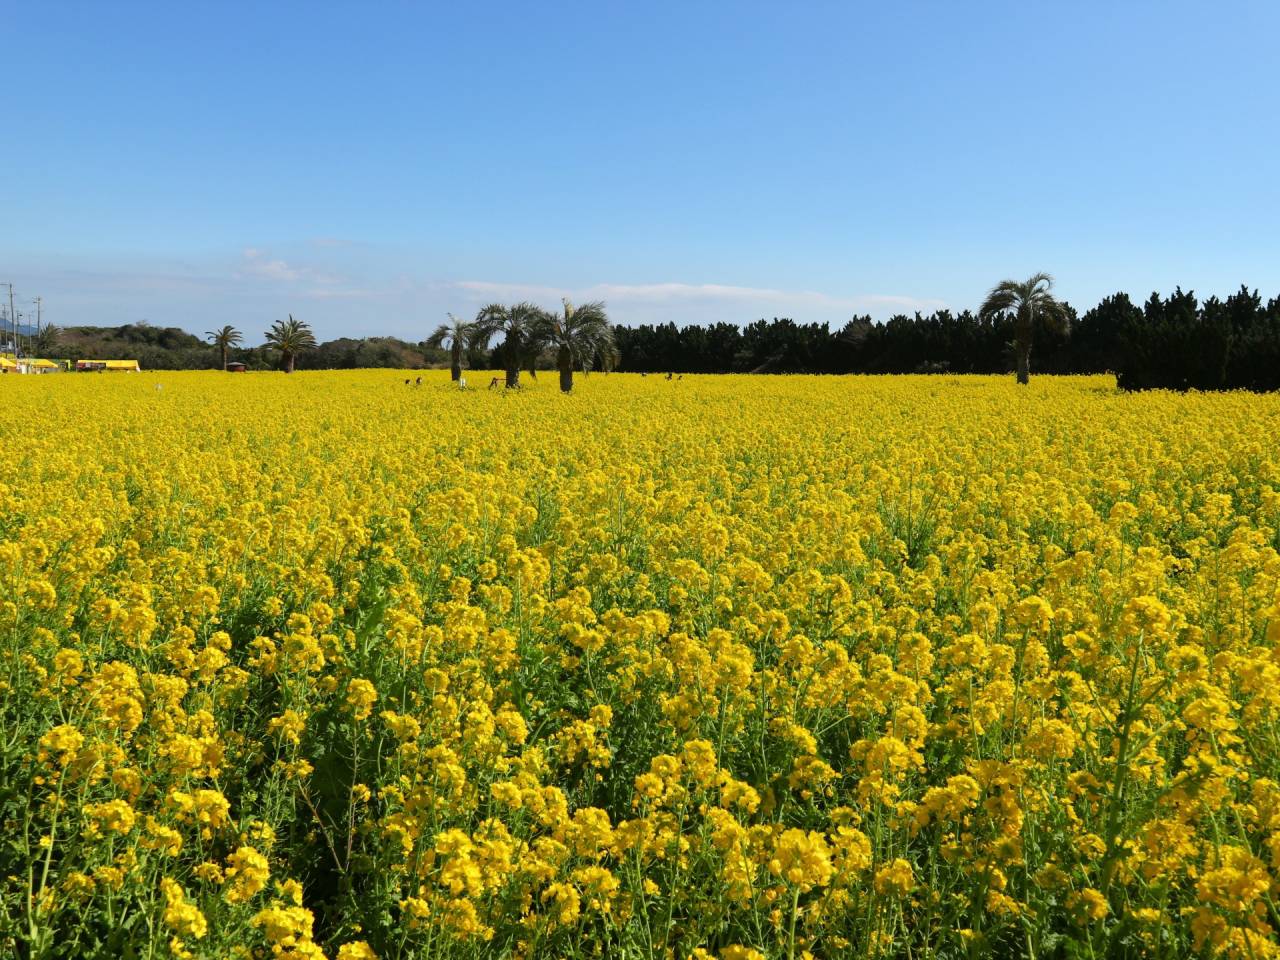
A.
x: 39, y: 302
x: 13, y: 318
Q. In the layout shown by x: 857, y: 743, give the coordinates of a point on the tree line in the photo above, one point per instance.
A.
x: 529, y: 338
x: 579, y: 337
x: 171, y: 348
x: 1176, y: 342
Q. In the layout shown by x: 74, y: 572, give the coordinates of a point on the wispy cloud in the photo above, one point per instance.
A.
x: 340, y: 291
x: 261, y: 265
x: 258, y: 264
x: 691, y: 294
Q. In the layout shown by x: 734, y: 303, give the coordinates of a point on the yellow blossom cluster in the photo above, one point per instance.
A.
x: 331, y: 666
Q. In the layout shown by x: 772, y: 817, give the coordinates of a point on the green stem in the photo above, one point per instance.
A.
x: 1109, y: 859
x: 791, y: 938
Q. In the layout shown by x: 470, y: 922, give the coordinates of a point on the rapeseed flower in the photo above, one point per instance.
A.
x: 776, y: 667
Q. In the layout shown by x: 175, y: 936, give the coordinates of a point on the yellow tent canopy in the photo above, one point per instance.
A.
x: 46, y: 364
x: 7, y: 364
x: 107, y: 365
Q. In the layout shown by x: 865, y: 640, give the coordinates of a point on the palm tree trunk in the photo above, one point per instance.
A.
x: 224, y: 356
x: 511, y: 354
x: 288, y: 362
x: 564, y: 360
x: 455, y: 369
x: 1025, y: 323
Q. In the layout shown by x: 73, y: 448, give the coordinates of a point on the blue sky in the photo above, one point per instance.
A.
x: 370, y: 166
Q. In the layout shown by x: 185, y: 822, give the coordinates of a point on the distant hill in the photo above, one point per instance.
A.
x: 172, y: 348
x: 156, y: 348
x: 139, y: 334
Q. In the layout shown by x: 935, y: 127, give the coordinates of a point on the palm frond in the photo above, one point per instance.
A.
x: 1002, y: 298
x: 290, y: 336
x: 1036, y: 279
x: 228, y: 336
x: 439, y: 335
x: 1019, y: 296
x: 590, y: 314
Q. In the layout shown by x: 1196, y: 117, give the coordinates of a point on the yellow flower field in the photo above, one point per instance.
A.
x: 736, y: 667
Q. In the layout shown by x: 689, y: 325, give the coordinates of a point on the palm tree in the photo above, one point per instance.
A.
x: 290, y: 338
x: 46, y: 340
x: 458, y: 334
x: 224, y: 340
x: 520, y: 324
x: 610, y: 355
x: 1031, y: 305
x: 581, y: 336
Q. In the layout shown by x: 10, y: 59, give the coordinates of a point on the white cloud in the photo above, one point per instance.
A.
x: 341, y: 292
x: 260, y: 264
x: 674, y: 294
x: 256, y: 263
